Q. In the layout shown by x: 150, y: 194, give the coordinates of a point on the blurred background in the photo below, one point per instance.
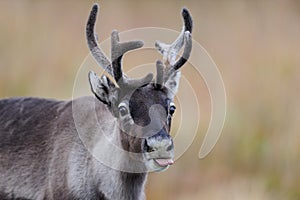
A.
x: 256, y: 46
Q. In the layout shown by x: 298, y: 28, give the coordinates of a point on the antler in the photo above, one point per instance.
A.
x: 99, y: 56
x: 118, y: 49
x: 170, y: 51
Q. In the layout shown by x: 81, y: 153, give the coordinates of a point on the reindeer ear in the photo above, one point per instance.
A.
x: 103, y: 88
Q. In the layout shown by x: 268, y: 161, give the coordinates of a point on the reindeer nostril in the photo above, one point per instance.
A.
x: 170, y: 147
x: 148, y: 148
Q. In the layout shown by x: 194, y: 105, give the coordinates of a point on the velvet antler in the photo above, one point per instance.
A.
x: 114, y: 67
x: 170, y: 51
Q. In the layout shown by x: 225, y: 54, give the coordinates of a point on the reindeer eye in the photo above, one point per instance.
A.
x: 123, y: 110
x: 172, y: 108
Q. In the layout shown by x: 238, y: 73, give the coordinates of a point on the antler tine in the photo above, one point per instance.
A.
x: 188, y: 28
x: 117, y: 51
x: 170, y: 52
x: 187, y: 19
x: 97, y: 53
x: 160, y: 74
x: 186, y: 52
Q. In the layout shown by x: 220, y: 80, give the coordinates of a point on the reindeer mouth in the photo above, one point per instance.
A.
x: 159, y: 163
x: 163, y: 162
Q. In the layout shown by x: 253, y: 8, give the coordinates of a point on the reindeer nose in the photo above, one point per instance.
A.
x: 161, y: 141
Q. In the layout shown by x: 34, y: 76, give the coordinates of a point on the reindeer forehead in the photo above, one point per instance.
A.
x: 148, y: 99
x: 149, y: 95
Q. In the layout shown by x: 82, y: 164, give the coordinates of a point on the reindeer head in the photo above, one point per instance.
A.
x: 143, y: 107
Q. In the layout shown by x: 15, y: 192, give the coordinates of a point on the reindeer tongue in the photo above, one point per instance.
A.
x: 164, y: 161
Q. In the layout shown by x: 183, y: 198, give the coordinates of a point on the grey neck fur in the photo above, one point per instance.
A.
x: 113, y: 184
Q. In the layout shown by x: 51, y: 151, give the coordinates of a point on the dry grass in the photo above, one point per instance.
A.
x: 256, y: 46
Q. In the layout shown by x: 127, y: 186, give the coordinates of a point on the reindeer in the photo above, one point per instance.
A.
x: 48, y: 147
